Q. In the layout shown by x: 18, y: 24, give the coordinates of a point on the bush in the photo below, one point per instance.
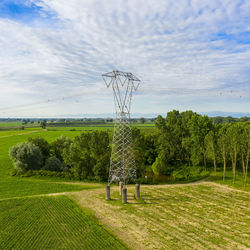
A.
x: 26, y: 156
x: 53, y: 164
x: 187, y: 173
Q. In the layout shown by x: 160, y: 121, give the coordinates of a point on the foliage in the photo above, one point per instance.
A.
x: 179, y: 140
x: 53, y: 164
x: 59, y: 145
x: 26, y: 156
x: 43, y: 145
x: 189, y: 173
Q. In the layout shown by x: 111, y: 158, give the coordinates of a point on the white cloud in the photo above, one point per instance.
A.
x: 168, y: 44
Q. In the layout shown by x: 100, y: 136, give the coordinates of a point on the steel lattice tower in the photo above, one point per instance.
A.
x: 122, y: 161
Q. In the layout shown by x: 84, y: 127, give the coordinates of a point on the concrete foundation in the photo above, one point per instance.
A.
x: 121, y: 187
x: 108, y: 192
x: 137, y: 191
x: 124, y: 195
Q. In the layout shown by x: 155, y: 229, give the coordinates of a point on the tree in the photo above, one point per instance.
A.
x: 43, y: 145
x: 244, y: 144
x: 59, y: 145
x: 142, y: 120
x: 160, y: 166
x: 53, y: 164
x: 88, y: 155
x: 211, y: 146
x: 234, y: 132
x: 26, y: 156
x: 223, y: 144
x: 43, y: 124
x: 199, y: 127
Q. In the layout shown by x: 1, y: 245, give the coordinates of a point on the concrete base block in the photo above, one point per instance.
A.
x: 108, y: 192
x: 121, y: 187
x: 137, y: 191
x: 124, y: 195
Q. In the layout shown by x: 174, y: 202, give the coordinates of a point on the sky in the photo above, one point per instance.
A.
x: 188, y: 54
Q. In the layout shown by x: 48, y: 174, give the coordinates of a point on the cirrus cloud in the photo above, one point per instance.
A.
x: 185, y: 52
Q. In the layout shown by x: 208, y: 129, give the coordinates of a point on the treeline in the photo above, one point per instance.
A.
x: 85, y: 157
x: 189, y: 139
x: 183, y: 146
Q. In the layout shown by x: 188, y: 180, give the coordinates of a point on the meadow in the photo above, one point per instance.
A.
x: 43, y: 213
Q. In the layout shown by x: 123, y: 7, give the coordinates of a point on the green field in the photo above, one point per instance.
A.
x: 10, y: 124
x: 4, y: 133
x: 17, y: 186
x: 37, y: 221
x: 51, y: 223
x: 189, y: 216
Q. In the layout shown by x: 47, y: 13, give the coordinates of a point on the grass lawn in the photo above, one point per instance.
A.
x: 51, y: 223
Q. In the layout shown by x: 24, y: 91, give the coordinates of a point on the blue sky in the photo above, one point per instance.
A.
x: 188, y: 55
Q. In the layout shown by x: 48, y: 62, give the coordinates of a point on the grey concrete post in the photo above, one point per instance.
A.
x: 121, y: 187
x: 108, y: 192
x: 124, y: 195
x: 137, y: 191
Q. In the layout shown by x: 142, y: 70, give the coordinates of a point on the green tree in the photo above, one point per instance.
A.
x: 199, y: 127
x: 234, y: 133
x: 223, y: 145
x: 88, y: 155
x: 142, y: 120
x: 43, y: 145
x: 43, y: 124
x: 59, y: 145
x: 53, y: 164
x: 211, y: 146
x: 26, y: 156
x: 244, y: 144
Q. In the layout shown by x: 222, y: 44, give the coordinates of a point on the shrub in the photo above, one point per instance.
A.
x: 187, y: 173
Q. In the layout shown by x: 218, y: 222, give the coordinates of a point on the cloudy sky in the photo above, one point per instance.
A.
x: 189, y: 54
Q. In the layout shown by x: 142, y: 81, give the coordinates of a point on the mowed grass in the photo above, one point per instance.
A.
x: 51, y: 223
x: 204, y: 216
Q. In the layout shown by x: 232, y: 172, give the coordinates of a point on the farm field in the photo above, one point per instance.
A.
x: 10, y: 124
x: 51, y: 223
x: 4, y: 133
x: 188, y: 216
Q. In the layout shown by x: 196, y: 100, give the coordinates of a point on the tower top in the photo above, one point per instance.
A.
x: 126, y: 76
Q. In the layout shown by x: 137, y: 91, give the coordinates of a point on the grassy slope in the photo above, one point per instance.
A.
x: 198, y: 216
x: 51, y: 223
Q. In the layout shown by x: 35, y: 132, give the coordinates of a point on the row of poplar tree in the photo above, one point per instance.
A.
x: 181, y: 142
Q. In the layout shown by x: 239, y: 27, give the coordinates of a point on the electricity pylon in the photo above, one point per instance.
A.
x: 122, y: 161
